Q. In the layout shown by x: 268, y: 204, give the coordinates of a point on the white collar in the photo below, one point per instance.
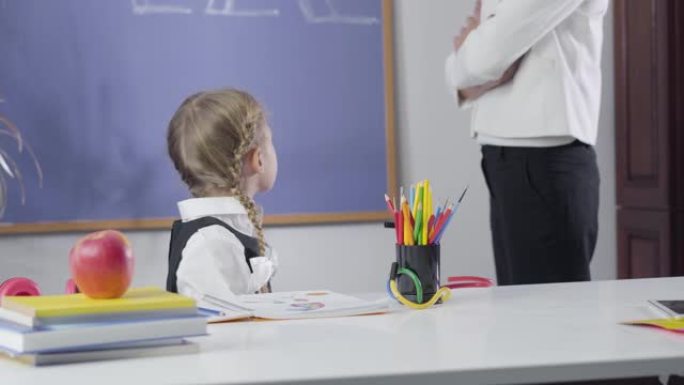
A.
x: 210, y: 206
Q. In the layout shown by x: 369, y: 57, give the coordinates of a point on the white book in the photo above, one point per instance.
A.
x: 24, y: 339
x: 17, y: 318
x: 288, y: 305
x: 164, y: 347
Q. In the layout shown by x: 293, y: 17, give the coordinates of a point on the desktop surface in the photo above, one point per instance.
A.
x: 500, y: 335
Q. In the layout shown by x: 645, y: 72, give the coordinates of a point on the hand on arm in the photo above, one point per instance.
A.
x: 472, y: 22
x: 474, y: 92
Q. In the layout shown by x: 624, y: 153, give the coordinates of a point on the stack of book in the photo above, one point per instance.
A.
x: 56, y: 329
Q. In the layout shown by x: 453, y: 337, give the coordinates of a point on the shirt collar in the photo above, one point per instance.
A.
x: 210, y: 206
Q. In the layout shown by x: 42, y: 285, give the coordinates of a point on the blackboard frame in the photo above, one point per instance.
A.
x: 270, y: 220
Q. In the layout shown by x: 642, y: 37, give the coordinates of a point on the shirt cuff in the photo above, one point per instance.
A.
x: 262, y: 271
x: 272, y: 256
x: 453, y: 82
x: 451, y: 78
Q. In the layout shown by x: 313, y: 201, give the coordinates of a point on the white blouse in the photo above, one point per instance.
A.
x: 213, y: 260
x: 556, y: 92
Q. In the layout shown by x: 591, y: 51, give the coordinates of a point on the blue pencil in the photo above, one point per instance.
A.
x: 446, y: 224
x: 412, y: 196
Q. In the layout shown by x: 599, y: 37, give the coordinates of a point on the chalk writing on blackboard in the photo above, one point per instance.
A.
x: 332, y: 15
x: 228, y: 8
x: 8, y: 166
x: 145, y: 7
x: 313, y: 11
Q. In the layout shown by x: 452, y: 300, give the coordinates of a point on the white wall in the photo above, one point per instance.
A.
x: 433, y: 143
x: 604, y: 265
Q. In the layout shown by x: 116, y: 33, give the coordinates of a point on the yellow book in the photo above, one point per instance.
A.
x: 135, y: 300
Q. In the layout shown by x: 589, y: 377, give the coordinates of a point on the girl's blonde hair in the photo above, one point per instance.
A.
x: 208, y: 137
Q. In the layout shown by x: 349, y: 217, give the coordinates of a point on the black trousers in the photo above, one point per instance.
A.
x: 543, y: 211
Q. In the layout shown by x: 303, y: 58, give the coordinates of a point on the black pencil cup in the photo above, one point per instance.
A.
x: 422, y: 260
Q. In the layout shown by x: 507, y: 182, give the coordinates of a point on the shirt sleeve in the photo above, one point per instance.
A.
x: 272, y: 256
x: 214, y: 263
x: 505, y: 37
x: 452, y: 88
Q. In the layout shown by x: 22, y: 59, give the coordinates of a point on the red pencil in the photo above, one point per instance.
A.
x: 440, y: 222
x: 399, y: 226
x: 390, y: 206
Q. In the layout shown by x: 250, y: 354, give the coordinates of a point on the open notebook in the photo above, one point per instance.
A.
x: 288, y: 305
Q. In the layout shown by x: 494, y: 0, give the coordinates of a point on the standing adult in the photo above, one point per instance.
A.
x: 531, y: 71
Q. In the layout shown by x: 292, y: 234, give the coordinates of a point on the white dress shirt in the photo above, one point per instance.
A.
x: 555, y: 95
x: 213, y: 260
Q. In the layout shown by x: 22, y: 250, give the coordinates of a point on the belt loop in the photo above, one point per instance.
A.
x: 501, y: 153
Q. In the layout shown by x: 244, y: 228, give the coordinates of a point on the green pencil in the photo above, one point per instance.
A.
x: 417, y: 231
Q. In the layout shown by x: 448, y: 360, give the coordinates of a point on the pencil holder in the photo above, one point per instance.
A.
x: 423, y: 260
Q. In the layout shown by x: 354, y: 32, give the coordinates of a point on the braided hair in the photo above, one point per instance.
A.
x: 208, y: 138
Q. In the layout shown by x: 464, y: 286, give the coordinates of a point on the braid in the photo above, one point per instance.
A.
x: 235, y: 170
x: 248, y: 134
x: 255, y: 218
x: 235, y: 167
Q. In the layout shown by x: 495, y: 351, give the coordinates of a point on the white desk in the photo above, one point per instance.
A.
x: 504, y: 335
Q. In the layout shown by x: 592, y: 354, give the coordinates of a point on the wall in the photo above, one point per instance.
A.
x: 433, y: 142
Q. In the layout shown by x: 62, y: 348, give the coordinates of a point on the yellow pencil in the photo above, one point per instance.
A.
x: 410, y: 241
x: 418, y: 198
x: 426, y: 212
x: 408, y: 234
x: 430, y: 213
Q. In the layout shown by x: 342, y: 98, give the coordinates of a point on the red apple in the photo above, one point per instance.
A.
x: 102, y: 264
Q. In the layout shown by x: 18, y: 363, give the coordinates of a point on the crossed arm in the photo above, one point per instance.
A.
x: 488, y: 52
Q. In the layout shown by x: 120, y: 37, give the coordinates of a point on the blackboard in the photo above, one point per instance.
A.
x: 91, y: 85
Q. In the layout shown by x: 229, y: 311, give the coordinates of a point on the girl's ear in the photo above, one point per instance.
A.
x: 253, y: 161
